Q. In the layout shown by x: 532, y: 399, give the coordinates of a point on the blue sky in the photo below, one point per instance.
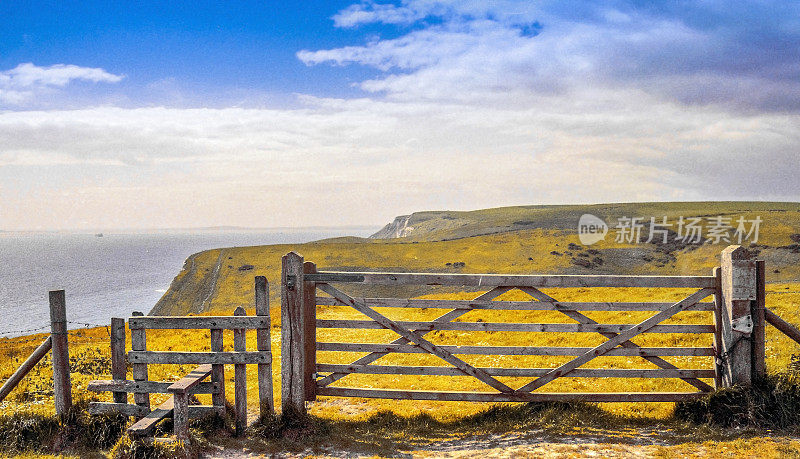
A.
x: 153, y: 115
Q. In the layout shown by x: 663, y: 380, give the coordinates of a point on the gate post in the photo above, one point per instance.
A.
x: 738, y: 313
x: 310, y: 333
x: 293, y: 390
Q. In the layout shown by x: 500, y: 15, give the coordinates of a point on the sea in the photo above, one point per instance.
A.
x: 110, y: 274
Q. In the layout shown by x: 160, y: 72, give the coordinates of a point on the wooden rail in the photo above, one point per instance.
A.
x: 26, y: 366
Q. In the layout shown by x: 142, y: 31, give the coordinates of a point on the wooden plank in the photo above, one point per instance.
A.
x: 759, y: 324
x: 452, y: 315
x: 512, y: 305
x: 264, y: 345
x: 581, y: 318
x: 62, y: 387
x: 26, y: 366
x: 153, y: 387
x: 496, y: 280
x: 624, y: 336
x: 188, y: 382
x: 218, y: 369
x: 310, y: 332
x: 197, y: 322
x: 515, y: 327
x: 512, y: 397
x: 145, y: 426
x: 718, y: 305
x: 416, y: 338
x: 515, y: 350
x: 240, y: 377
x: 174, y: 357
x: 121, y: 408
x: 118, y: 365
x: 785, y: 327
x: 139, y: 370
x: 195, y: 411
x: 517, y: 372
x: 292, y: 335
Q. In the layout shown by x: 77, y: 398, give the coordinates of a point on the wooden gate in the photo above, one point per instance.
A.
x: 729, y: 299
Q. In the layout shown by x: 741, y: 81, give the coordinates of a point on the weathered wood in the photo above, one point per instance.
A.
x: 583, y: 319
x: 512, y: 305
x: 118, y: 366
x: 222, y: 358
x: 785, y: 327
x: 759, y: 324
x: 738, y: 286
x: 192, y: 380
x: 139, y: 370
x: 240, y: 377
x: 197, y: 322
x: 310, y: 332
x: 446, y: 317
x: 515, y: 350
x: 416, y: 338
x: 292, y: 334
x: 180, y: 415
x: 512, y: 397
x: 516, y: 327
x: 26, y: 366
x: 264, y: 345
x: 145, y: 426
x: 153, y: 387
x: 517, y: 372
x: 62, y: 387
x: 495, y: 280
x: 218, y: 369
x: 719, y: 304
x: 121, y: 408
x: 622, y: 337
x: 195, y: 411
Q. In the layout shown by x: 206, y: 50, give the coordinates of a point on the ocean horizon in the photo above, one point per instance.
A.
x: 112, y: 274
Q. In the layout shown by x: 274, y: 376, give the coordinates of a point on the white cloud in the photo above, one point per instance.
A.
x: 26, y: 80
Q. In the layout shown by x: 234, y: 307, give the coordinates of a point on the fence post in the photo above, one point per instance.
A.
x: 719, y: 304
x: 118, y: 370
x: 264, y: 344
x: 139, y: 370
x: 292, y: 335
x: 218, y: 370
x: 62, y: 388
x: 240, y: 376
x: 738, y: 294
x: 310, y: 333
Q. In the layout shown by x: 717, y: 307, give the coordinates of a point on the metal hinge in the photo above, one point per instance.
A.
x: 291, y: 280
x: 743, y: 324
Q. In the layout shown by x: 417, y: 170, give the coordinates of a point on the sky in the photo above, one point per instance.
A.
x: 144, y: 115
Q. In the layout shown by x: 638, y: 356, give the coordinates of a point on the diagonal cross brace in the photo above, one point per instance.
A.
x: 617, y: 340
x: 581, y: 318
x: 447, y: 317
x: 415, y: 337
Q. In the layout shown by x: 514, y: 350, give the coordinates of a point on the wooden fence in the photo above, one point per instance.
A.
x: 210, y: 364
x: 732, y: 297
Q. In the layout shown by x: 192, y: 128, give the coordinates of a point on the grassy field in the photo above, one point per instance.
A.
x: 523, y: 240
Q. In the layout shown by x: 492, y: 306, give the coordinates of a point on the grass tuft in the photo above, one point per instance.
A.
x: 772, y: 402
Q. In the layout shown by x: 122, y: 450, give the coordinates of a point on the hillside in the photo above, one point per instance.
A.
x: 527, y: 239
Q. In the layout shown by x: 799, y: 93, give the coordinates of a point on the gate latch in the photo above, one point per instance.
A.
x: 291, y: 279
x: 743, y: 324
